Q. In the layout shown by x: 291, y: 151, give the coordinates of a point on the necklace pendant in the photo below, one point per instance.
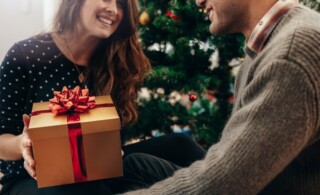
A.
x: 81, y: 77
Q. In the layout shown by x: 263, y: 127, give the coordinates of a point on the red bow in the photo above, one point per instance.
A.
x: 71, y: 100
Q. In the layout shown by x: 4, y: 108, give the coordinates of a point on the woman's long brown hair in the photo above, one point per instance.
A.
x: 118, y: 65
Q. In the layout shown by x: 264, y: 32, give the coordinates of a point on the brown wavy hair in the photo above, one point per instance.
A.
x: 118, y: 65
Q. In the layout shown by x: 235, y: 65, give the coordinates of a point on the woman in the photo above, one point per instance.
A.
x: 93, y: 44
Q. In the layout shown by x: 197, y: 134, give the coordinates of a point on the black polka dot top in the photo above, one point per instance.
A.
x: 30, y: 72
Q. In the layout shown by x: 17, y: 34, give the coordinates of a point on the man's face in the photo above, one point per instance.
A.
x: 226, y: 16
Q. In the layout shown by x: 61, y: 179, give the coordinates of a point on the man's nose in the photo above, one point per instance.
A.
x: 201, y: 3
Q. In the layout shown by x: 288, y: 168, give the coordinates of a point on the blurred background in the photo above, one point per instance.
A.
x: 20, y: 19
x: 190, y: 89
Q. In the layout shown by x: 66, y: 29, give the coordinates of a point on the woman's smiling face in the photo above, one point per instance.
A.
x: 100, y: 18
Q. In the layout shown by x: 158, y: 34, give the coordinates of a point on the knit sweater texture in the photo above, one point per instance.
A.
x: 270, y: 144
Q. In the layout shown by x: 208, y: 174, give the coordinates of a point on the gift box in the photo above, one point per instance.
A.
x: 71, y: 147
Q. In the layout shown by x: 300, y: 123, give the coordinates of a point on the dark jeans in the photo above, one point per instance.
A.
x: 177, y: 148
x: 140, y: 171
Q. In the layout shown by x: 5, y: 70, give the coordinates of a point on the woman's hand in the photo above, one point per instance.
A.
x: 26, y: 148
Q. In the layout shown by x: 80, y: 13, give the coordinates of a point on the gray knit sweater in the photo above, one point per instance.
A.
x: 271, y: 143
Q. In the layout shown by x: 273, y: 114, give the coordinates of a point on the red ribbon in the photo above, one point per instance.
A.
x: 76, y: 147
x: 73, y: 102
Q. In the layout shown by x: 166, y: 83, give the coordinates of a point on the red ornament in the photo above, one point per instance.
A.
x: 170, y: 14
x: 175, y: 18
x: 231, y: 99
x: 193, y: 97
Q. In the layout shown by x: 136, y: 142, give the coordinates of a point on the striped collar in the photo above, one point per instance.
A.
x: 268, y: 22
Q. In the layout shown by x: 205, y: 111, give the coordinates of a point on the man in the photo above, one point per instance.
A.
x: 271, y: 143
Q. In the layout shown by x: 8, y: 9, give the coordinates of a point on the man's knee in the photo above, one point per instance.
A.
x: 138, y: 159
x: 181, y: 138
x: 146, y: 162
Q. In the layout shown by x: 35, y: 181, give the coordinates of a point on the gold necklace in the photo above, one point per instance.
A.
x: 81, y: 74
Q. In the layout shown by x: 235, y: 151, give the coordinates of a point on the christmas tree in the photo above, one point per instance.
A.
x: 190, y: 86
x: 313, y: 4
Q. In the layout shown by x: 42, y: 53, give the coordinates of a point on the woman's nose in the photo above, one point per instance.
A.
x: 112, y: 8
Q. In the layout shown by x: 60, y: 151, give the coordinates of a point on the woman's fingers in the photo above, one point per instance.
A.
x: 29, y: 169
x: 26, y: 153
x: 26, y: 121
x: 26, y: 142
x: 29, y: 163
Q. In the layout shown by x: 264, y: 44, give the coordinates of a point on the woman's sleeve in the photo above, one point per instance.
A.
x: 13, y: 90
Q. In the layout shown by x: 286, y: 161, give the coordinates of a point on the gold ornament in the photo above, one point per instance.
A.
x: 144, y: 18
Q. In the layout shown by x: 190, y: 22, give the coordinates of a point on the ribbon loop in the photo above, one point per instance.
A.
x: 71, y: 101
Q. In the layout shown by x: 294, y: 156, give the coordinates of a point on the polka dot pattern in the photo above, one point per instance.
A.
x: 31, y: 71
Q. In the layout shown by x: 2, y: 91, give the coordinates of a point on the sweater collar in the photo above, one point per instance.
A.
x: 266, y: 25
